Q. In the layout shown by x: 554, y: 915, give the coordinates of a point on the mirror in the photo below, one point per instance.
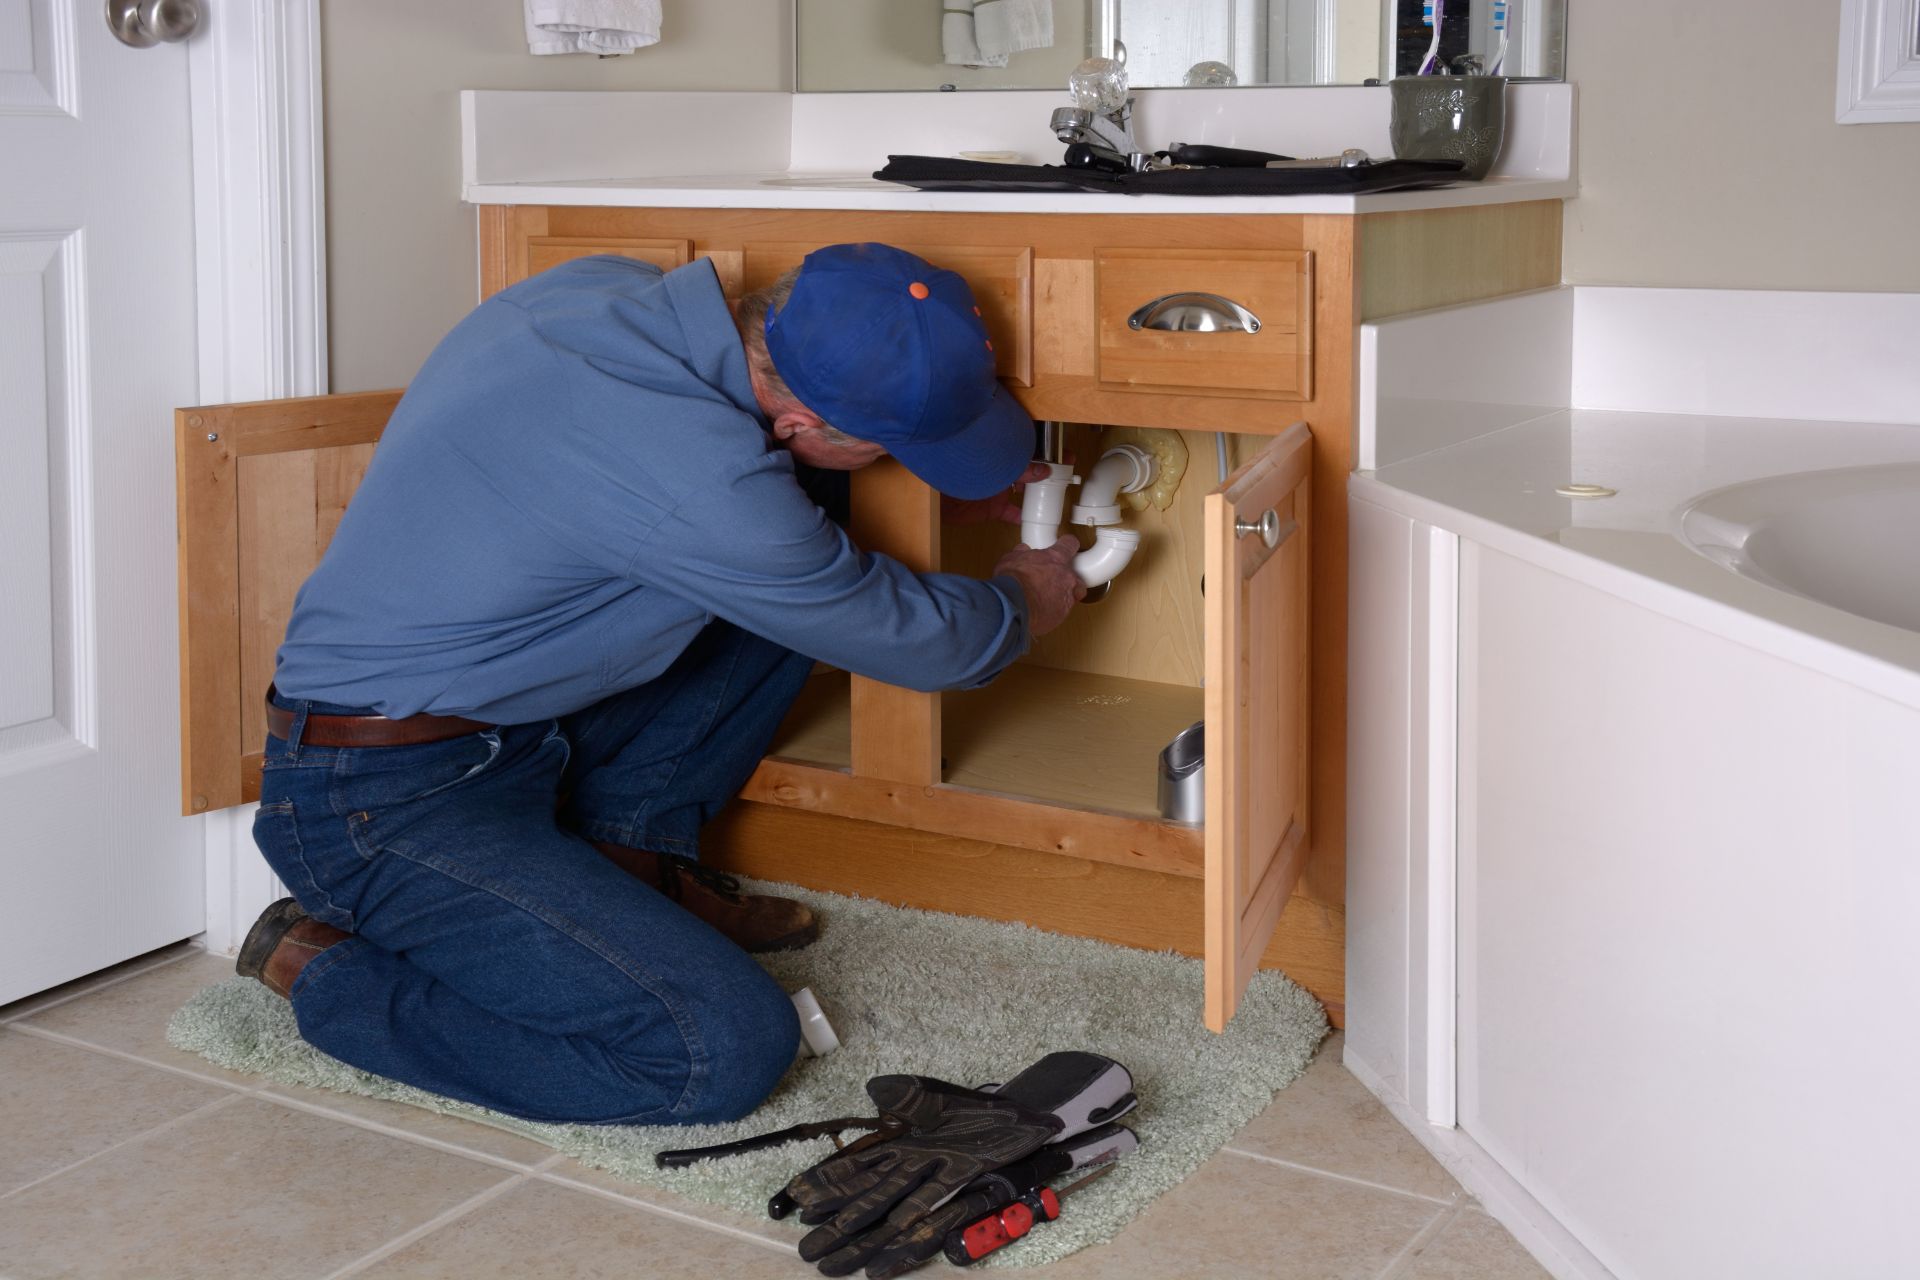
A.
x: 844, y: 45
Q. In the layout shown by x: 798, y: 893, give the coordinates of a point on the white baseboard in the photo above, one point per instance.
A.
x: 240, y: 885
x: 1504, y: 1199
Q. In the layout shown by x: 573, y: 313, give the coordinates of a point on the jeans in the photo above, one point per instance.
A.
x: 501, y: 960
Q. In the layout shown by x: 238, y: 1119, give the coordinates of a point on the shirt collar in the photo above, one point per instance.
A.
x: 714, y: 341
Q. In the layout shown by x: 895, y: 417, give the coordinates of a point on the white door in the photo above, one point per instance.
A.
x: 96, y: 348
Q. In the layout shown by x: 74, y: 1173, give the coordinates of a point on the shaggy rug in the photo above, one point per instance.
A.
x: 1005, y: 995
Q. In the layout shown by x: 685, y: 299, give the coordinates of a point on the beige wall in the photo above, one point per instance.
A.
x: 895, y: 44
x: 1709, y: 157
x: 400, y: 244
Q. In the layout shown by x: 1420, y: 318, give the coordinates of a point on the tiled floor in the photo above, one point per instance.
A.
x: 120, y: 1157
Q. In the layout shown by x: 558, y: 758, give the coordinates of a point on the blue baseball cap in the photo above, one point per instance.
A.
x: 891, y: 349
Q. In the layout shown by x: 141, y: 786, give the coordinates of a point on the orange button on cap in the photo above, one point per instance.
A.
x: 917, y: 289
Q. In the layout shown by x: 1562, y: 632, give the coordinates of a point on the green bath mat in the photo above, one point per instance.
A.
x: 1008, y: 995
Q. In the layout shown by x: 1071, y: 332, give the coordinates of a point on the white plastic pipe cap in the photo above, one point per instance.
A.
x: 816, y: 1033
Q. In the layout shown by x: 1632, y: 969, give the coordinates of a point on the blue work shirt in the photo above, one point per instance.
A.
x: 578, y: 481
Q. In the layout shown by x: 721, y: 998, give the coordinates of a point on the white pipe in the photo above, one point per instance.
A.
x: 1122, y: 469
x: 1042, y: 504
x: 1103, y: 561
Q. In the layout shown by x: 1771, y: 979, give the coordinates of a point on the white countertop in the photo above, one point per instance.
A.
x: 1499, y: 490
x: 853, y: 190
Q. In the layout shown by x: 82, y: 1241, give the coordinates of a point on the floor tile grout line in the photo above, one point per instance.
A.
x: 419, y: 1139
x: 74, y: 1042
x: 144, y: 969
x: 427, y: 1228
x: 678, y: 1215
x: 1339, y: 1177
x: 1397, y: 1265
x: 203, y: 1109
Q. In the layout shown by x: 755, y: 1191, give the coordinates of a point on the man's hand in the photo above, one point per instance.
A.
x: 1048, y: 579
x: 1001, y: 506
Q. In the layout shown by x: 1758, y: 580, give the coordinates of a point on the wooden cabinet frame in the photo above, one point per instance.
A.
x: 886, y: 826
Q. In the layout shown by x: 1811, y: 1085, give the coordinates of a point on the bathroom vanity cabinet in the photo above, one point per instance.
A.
x: 1032, y: 799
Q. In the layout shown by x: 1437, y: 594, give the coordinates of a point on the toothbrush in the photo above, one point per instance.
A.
x: 1499, y: 30
x: 1432, y: 14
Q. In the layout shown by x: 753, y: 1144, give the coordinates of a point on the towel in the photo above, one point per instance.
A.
x: 984, y: 33
x: 592, y: 26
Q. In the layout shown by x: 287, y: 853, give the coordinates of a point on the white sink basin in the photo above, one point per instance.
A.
x: 1848, y: 538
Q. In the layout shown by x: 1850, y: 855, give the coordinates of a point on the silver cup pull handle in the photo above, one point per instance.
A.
x: 1269, y: 526
x: 1194, y: 313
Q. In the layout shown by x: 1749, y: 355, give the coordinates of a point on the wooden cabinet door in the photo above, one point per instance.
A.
x: 1257, y: 689
x: 262, y: 487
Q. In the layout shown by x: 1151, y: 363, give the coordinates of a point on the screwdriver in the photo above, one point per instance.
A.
x: 967, y: 1245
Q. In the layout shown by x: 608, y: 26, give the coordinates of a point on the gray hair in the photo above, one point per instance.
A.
x: 751, y: 319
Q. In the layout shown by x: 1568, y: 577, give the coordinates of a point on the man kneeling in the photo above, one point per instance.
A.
x: 584, y: 579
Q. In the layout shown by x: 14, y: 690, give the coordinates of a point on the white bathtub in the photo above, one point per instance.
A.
x: 1633, y: 872
x: 1849, y: 537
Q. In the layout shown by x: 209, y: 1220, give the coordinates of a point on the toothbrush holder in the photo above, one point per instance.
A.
x: 1449, y: 118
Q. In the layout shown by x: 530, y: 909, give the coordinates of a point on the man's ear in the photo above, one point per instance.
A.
x: 789, y: 423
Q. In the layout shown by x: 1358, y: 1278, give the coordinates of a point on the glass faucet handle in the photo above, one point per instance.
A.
x: 1099, y: 85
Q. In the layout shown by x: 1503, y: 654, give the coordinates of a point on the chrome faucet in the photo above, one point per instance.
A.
x: 1108, y: 135
x: 1098, y: 127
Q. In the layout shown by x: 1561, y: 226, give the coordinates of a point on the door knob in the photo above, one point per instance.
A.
x: 141, y: 24
x: 1267, y: 526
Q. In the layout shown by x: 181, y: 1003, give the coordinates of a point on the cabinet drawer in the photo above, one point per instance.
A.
x: 1274, y: 285
x: 1001, y: 278
x: 550, y: 251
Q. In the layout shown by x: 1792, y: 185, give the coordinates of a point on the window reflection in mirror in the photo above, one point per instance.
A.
x: 844, y: 45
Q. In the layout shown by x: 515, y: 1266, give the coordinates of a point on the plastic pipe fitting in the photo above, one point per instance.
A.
x: 1102, y: 562
x: 1125, y: 468
x: 1042, y: 505
x: 817, y: 1038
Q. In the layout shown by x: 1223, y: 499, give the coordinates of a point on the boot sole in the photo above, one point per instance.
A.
x: 795, y: 941
x: 265, y: 936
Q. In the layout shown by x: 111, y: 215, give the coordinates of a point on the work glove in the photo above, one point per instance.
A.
x: 860, y: 1201
x: 991, y: 1192
x: 925, y: 1239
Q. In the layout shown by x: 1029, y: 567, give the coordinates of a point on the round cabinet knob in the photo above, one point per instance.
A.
x: 141, y: 24
x: 1267, y: 526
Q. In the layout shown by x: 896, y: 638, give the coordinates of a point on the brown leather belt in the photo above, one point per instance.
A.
x: 369, y: 731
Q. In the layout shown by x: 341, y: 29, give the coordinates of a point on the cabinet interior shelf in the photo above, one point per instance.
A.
x: 1066, y: 737
x: 1062, y: 761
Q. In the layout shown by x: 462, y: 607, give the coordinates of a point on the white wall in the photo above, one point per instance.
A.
x: 400, y: 244
x: 1709, y: 156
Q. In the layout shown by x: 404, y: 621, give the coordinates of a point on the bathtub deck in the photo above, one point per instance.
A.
x: 1500, y: 490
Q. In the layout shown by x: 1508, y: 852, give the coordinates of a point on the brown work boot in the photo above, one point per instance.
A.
x: 757, y: 922
x: 281, y: 943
